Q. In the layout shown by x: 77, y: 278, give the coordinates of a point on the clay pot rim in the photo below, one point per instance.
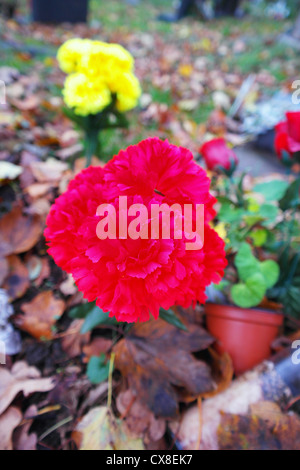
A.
x: 244, y: 315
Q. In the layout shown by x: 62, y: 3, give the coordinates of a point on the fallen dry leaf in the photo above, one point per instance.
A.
x: 268, y: 411
x: 8, y: 422
x: 40, y: 315
x: 139, y: 419
x: 37, y: 190
x: 9, y: 171
x: 21, y: 378
x: 44, y: 274
x: 95, y: 396
x: 34, y: 266
x: 267, y: 429
x: 40, y: 207
x: 97, y: 347
x: 68, y: 286
x: 70, y: 389
x: 222, y: 372
x: 3, y: 270
x: 27, y: 178
x: 217, y: 122
x: 101, y: 430
x: 28, y: 104
x: 68, y: 152
x: 72, y: 341
x: 156, y: 356
x: 19, y: 233
x: 22, y: 440
x: 51, y: 170
x: 17, y: 280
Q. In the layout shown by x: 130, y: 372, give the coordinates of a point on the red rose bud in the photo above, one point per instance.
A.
x: 218, y: 156
x: 287, y: 137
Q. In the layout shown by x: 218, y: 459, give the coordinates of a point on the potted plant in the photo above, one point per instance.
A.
x: 242, y: 328
x: 262, y: 279
x: 57, y: 11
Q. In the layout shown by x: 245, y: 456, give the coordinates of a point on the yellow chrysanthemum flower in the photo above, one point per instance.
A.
x: 106, y: 59
x: 127, y: 88
x: 86, y: 96
x: 121, y: 57
x: 98, y: 71
x: 70, y: 54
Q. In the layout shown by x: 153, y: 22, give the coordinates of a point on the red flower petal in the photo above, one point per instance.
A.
x: 133, y: 278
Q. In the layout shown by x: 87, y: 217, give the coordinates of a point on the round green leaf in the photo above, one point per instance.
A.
x: 250, y: 293
x: 259, y: 236
x: 98, y: 369
x: 270, y: 271
x: 247, y: 265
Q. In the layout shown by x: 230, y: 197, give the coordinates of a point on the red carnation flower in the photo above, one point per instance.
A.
x: 287, y: 137
x: 218, y: 155
x: 132, y: 278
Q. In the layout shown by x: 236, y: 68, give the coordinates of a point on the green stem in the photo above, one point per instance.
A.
x: 55, y: 427
x: 92, y: 142
x: 110, y: 373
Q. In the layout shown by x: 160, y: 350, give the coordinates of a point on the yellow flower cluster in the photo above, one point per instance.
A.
x: 97, y: 71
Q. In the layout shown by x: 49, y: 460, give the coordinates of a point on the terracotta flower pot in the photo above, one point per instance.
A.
x: 246, y: 334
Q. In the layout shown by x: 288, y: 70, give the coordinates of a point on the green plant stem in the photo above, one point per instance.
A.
x: 111, y: 368
x: 55, y: 427
x: 92, y: 142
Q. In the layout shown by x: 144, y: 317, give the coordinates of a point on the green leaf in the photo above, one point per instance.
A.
x: 98, y: 369
x: 270, y: 271
x: 291, y: 197
x: 259, y: 236
x: 226, y: 200
x: 82, y: 310
x: 246, y: 263
x: 250, y: 293
x: 81, y: 121
x: 252, y: 219
x: 170, y: 317
x: 287, y: 159
x: 268, y: 212
x: 93, y: 315
x: 222, y: 285
x: 228, y: 213
x: 240, y: 190
x: 272, y: 190
x: 95, y: 318
x: 253, y: 205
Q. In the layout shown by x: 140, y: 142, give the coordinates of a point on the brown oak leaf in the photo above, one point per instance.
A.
x: 17, y: 280
x: 157, y: 359
x: 40, y: 315
x: 19, y: 233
